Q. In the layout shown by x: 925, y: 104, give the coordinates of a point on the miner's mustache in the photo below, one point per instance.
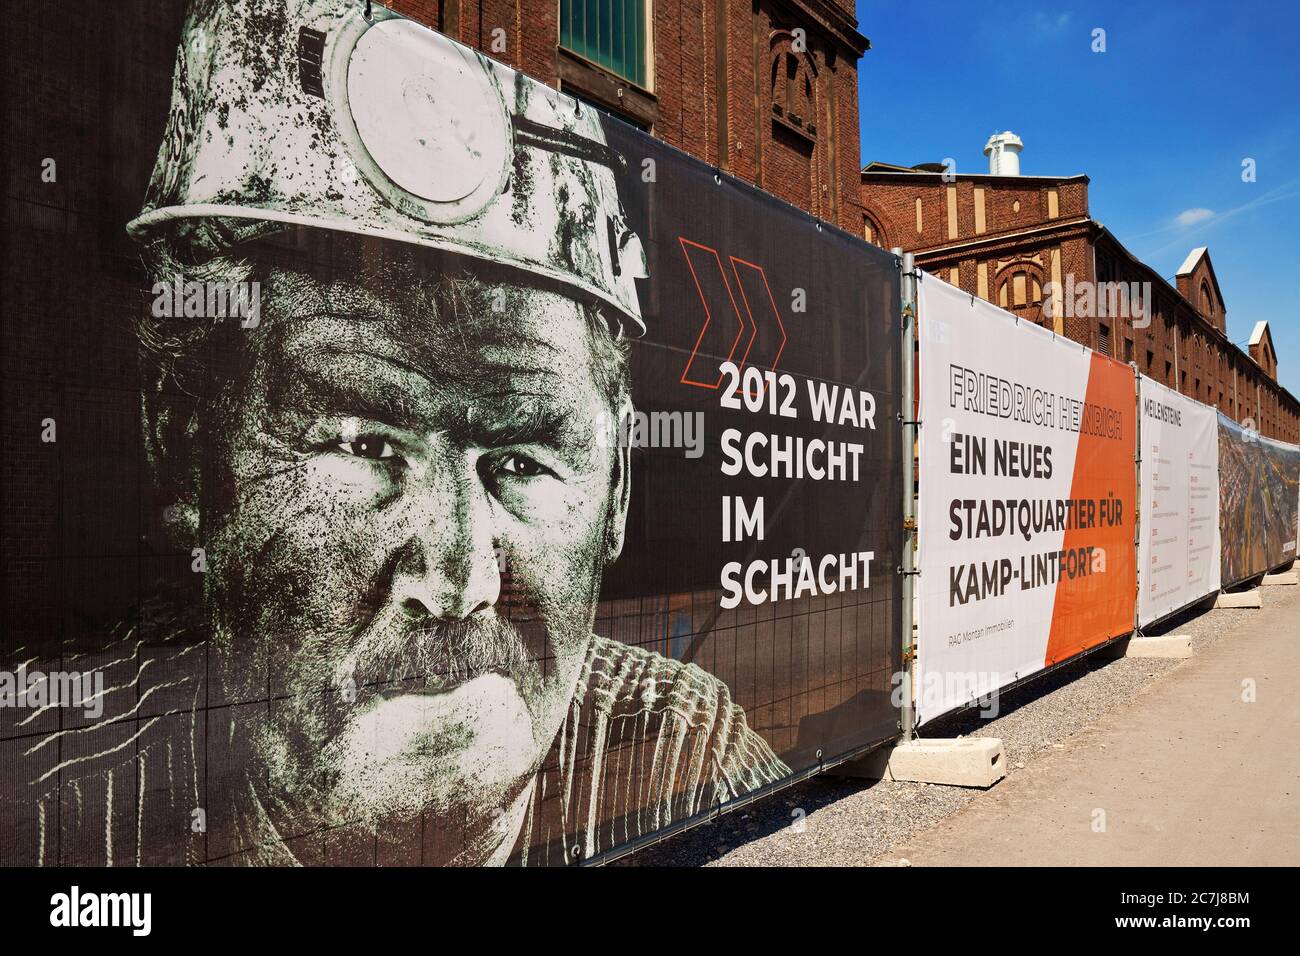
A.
x: 448, y: 650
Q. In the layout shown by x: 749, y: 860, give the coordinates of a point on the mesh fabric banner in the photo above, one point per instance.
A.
x: 1027, y: 499
x: 1258, y: 482
x: 407, y: 463
x: 1178, y: 550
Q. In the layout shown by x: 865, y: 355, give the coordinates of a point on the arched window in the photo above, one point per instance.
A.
x: 1019, y: 289
x: 872, y: 232
x: 793, y: 84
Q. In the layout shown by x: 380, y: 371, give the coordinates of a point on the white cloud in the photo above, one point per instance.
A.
x: 1190, y: 217
x: 1049, y: 23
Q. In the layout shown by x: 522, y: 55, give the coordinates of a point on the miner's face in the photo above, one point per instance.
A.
x: 409, y: 513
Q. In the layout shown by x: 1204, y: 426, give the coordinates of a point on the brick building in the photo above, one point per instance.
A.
x: 1030, y: 245
x: 765, y: 89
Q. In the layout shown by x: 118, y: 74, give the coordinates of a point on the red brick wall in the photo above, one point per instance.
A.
x: 1181, y: 348
x: 1190, y: 353
x: 1200, y: 288
x: 890, y: 200
x: 685, y: 76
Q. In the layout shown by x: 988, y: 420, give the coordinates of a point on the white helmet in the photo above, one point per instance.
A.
x: 303, y: 112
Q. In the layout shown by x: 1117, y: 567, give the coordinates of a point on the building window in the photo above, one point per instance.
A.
x: 794, y: 92
x: 793, y: 96
x: 609, y: 33
x: 1026, y: 290
x: 1019, y: 290
x: 1103, y: 339
x: 872, y: 233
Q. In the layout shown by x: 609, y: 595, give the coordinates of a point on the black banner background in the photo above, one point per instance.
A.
x: 85, y: 542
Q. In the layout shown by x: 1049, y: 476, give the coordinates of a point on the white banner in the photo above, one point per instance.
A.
x: 1178, y: 546
x: 1027, y: 499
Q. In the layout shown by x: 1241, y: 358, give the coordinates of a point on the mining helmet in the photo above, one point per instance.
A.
x: 323, y: 113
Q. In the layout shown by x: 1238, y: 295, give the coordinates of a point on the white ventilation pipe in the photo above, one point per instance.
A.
x: 1003, y: 151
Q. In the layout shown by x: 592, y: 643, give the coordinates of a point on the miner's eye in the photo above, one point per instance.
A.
x: 521, y: 466
x: 372, y: 447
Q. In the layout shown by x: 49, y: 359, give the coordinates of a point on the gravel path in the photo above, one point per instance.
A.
x: 835, y: 821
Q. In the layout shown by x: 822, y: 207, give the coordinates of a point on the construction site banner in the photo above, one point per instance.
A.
x: 1259, y: 480
x: 1178, y: 546
x: 1282, y: 499
x: 1027, y: 499
x: 408, y: 463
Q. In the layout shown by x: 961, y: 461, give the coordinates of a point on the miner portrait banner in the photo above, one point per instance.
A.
x: 1027, y: 499
x: 1178, y: 545
x: 407, y: 463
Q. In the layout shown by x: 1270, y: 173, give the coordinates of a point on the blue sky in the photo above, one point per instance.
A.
x: 1160, y: 122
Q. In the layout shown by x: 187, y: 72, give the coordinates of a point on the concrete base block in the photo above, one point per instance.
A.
x: 963, y: 762
x: 1168, y: 646
x: 1239, y: 599
x: 1284, y: 578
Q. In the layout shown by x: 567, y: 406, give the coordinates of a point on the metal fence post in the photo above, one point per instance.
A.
x: 907, y: 567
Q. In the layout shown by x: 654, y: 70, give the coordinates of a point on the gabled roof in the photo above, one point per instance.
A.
x: 1262, y: 349
x: 1226, y: 343
x: 1190, y: 262
x: 1199, y: 255
x: 878, y: 166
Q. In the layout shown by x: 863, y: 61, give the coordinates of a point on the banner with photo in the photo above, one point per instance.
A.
x: 1281, y: 499
x: 1178, y: 544
x: 1259, y: 496
x: 407, y: 463
x: 1027, y: 499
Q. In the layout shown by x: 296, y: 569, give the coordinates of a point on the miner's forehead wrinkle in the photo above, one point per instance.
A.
x: 423, y: 337
x: 470, y: 412
x: 530, y: 424
x: 337, y: 366
x: 310, y: 386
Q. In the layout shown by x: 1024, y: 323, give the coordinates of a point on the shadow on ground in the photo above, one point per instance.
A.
x: 708, y: 841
